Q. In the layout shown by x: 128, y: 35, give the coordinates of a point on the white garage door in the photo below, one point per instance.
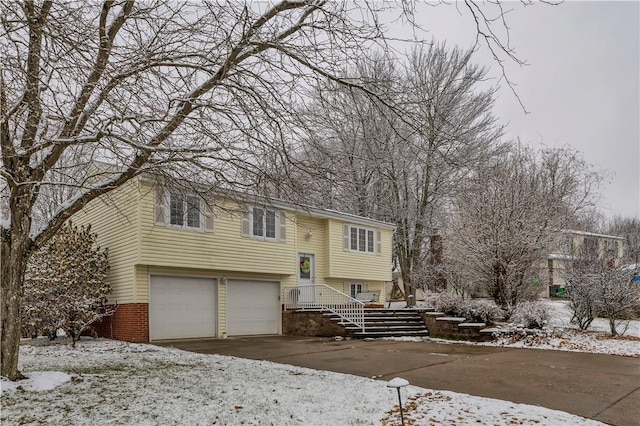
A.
x: 182, y: 307
x: 252, y: 307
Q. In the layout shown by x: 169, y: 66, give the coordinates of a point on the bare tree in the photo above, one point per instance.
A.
x: 582, y: 270
x: 629, y: 228
x: 454, y: 130
x: 508, y: 215
x: 617, y: 296
x: 601, y: 285
x: 597, y: 288
x: 399, y: 164
x: 158, y: 86
x: 169, y: 87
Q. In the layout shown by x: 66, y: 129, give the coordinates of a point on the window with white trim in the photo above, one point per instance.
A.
x: 361, y: 239
x: 184, y: 211
x: 355, y: 288
x: 175, y: 209
x: 264, y: 223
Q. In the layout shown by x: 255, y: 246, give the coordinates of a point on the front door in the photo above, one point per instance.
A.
x: 306, y: 278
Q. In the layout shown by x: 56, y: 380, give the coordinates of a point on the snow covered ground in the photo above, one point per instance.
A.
x: 562, y: 336
x: 567, y: 337
x: 110, y: 382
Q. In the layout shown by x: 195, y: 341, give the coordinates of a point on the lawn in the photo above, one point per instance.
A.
x: 563, y: 336
x: 104, y: 382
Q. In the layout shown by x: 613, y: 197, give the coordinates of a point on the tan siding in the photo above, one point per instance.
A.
x: 354, y: 265
x: 115, y: 219
x: 224, y: 249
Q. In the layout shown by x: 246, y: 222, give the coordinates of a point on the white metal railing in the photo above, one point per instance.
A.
x: 321, y: 296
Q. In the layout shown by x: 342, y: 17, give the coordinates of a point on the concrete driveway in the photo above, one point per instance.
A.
x: 599, y: 387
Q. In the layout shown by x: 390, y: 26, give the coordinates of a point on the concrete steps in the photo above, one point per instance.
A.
x: 387, y: 323
x: 380, y: 322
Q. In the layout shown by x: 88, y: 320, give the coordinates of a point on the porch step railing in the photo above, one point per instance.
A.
x: 321, y: 296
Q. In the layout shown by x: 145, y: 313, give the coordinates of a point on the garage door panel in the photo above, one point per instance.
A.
x: 182, y: 307
x: 253, y: 307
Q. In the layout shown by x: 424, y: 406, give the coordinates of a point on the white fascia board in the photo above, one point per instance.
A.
x: 287, y: 206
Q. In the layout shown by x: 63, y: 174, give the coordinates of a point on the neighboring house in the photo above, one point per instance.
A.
x: 183, y: 269
x: 609, y: 248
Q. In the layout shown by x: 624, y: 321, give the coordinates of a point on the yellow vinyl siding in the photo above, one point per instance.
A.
x: 224, y: 249
x: 314, y: 244
x: 355, y: 265
x: 125, y: 223
x: 114, y: 217
x: 343, y: 286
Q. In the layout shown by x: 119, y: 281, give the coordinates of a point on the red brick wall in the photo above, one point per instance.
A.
x: 130, y: 323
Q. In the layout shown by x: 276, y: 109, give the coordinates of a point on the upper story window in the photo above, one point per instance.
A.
x: 179, y: 210
x: 184, y: 210
x: 264, y: 223
x: 363, y: 240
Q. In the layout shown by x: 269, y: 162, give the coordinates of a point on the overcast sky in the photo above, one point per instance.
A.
x: 581, y: 87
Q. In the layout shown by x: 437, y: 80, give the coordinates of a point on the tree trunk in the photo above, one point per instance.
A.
x: 612, y: 326
x: 409, y: 290
x: 15, y: 246
x: 436, y: 249
x: 13, y: 262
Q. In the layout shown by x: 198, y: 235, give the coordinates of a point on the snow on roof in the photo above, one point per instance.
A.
x: 556, y: 256
x: 591, y: 234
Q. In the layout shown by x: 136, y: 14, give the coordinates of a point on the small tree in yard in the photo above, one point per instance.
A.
x: 66, y: 284
x: 617, y: 297
x: 595, y: 287
x: 582, y: 301
x: 506, y: 217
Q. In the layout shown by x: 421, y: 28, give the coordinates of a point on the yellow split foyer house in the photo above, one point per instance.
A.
x: 187, y: 267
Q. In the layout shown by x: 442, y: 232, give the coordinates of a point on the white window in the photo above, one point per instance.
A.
x: 178, y: 210
x: 354, y: 289
x: 264, y: 223
x: 361, y: 239
x: 184, y: 211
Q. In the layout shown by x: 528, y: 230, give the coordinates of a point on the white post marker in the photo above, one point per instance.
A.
x: 398, y: 383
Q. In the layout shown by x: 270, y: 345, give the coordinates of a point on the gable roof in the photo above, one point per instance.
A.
x: 315, y: 212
